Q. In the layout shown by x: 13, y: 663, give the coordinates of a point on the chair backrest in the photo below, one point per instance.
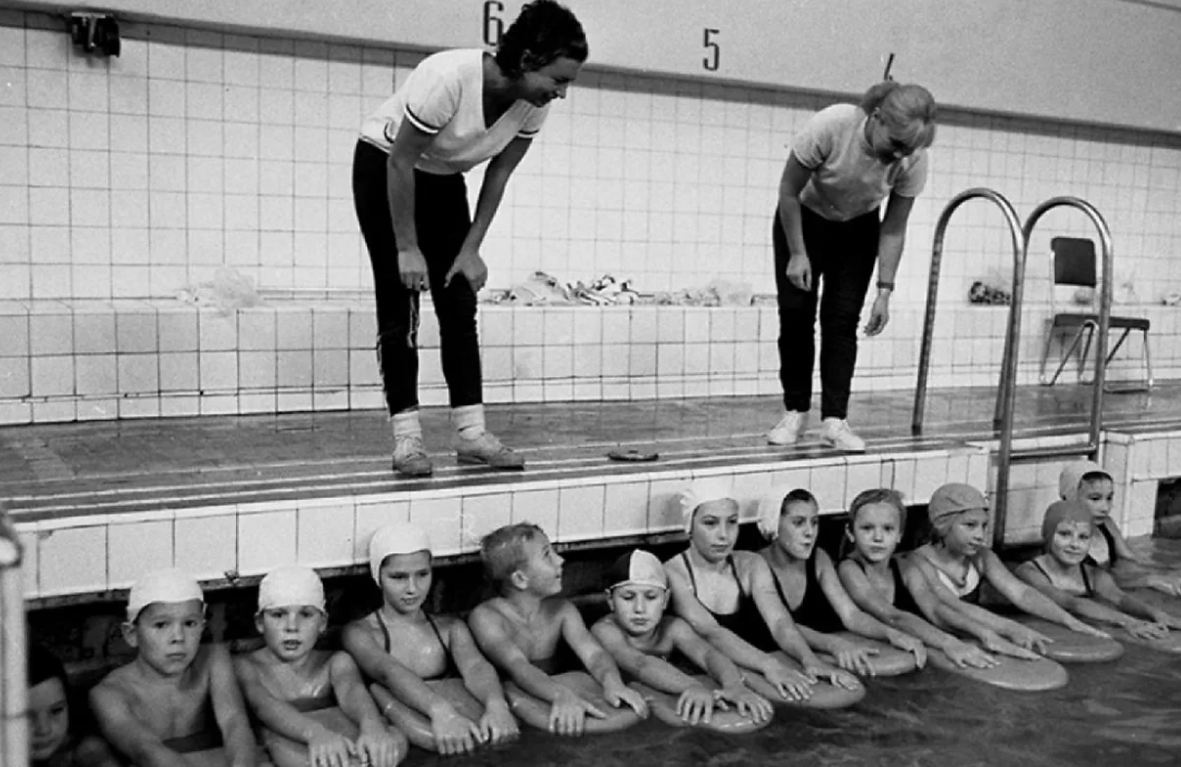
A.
x: 1074, y: 261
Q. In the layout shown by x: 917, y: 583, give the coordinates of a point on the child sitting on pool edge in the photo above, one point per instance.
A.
x: 641, y: 637
x: 525, y: 629
x: 312, y: 703
x: 156, y: 709
x: 429, y: 678
x: 1091, y: 484
x: 1064, y: 573
x: 54, y: 739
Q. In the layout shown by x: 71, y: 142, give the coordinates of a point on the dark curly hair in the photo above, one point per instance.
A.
x: 543, y: 32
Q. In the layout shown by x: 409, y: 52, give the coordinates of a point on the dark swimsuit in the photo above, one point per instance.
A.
x: 903, y: 600
x: 1112, y: 557
x: 814, y: 610
x: 450, y: 672
x: 1088, y: 590
x: 746, y: 622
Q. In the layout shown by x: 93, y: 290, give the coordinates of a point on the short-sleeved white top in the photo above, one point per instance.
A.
x: 444, y: 96
x: 848, y: 180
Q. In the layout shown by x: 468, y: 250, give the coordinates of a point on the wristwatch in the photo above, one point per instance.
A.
x: 886, y: 285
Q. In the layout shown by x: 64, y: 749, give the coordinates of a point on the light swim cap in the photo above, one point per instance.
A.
x: 1072, y: 476
x: 637, y: 568
x: 291, y: 586
x: 168, y: 585
x: 395, y: 539
x: 1064, y: 511
x: 951, y: 499
x: 701, y: 492
x: 770, y: 510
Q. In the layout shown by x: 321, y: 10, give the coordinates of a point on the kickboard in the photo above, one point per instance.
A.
x: 285, y: 752
x: 1012, y: 673
x: 663, y: 706
x: 1170, y: 643
x: 416, y: 726
x: 1070, y: 646
x: 825, y: 695
x: 890, y: 661
x: 535, y: 712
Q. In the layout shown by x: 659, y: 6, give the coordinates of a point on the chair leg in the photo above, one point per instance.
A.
x: 1147, y: 360
x: 1066, y: 355
x: 1041, y: 376
x: 1118, y: 344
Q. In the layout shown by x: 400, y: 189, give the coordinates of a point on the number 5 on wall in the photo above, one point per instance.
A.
x: 714, y: 57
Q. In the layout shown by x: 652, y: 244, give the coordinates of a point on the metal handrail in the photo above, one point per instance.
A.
x: 920, y: 397
x: 14, y: 742
x: 1007, y: 396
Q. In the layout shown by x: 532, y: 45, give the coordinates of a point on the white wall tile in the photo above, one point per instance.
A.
x: 207, y: 547
x: 71, y: 560
x: 137, y: 548
x: 266, y: 540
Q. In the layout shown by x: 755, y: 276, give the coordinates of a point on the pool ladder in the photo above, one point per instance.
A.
x: 1007, y: 391
x: 14, y: 732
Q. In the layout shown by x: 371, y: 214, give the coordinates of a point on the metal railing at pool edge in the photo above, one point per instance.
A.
x: 920, y: 397
x: 14, y: 743
x: 1007, y: 390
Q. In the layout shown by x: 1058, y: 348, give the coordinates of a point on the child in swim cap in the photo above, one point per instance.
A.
x: 429, y: 677
x: 1064, y: 573
x: 177, y: 696
x: 312, y: 703
x: 641, y: 638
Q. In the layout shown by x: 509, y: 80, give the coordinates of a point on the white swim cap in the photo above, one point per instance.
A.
x: 168, y: 585
x: 637, y: 568
x: 1072, y: 477
x: 770, y: 509
x: 700, y: 492
x: 395, y: 539
x: 291, y: 586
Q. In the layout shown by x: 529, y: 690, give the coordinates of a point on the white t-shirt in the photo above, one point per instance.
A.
x: 848, y: 180
x: 444, y: 96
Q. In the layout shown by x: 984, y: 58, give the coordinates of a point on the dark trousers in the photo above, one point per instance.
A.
x: 842, y: 255
x: 443, y: 220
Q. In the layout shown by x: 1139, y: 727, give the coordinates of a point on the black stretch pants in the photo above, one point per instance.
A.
x: 842, y: 255
x: 443, y: 220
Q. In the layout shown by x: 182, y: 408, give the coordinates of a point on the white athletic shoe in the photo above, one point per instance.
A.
x: 789, y: 428
x: 836, y: 433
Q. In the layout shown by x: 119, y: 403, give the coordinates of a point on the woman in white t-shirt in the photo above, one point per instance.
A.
x: 457, y: 109
x: 844, y: 163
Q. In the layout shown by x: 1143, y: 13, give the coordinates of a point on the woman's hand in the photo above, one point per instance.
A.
x: 471, y: 267
x: 412, y: 269
x: 799, y: 271
x: 879, y: 315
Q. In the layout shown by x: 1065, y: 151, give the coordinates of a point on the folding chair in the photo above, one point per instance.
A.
x: 1074, y: 264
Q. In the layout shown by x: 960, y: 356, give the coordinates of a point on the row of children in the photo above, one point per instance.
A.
x: 711, y: 637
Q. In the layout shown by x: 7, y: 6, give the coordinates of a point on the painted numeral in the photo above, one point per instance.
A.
x: 493, y: 24
x: 713, y: 59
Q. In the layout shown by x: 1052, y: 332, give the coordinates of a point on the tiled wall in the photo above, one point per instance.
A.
x: 133, y: 177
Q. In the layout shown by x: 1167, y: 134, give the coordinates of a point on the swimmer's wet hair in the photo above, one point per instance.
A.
x: 909, y: 110
x: 546, y: 31
x: 878, y: 495
x: 503, y: 551
x: 42, y: 665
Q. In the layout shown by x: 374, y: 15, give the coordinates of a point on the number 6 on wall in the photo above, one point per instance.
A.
x: 714, y: 57
x: 493, y: 25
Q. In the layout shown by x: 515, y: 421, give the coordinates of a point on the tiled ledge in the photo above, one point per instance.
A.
x: 84, y: 556
x: 64, y: 361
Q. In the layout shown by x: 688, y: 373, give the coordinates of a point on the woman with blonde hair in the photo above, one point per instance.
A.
x: 846, y: 161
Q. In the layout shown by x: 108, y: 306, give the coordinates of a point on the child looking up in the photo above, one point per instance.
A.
x: 177, y: 703
x: 312, y: 703
x: 524, y: 629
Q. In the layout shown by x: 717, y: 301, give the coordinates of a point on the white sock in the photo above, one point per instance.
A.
x: 468, y: 420
x: 406, y: 424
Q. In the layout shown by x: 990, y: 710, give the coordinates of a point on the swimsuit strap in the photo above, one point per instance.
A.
x: 452, y: 670
x: 385, y: 632
x: 689, y: 569
x: 1042, y: 570
x: 1086, y: 579
x: 435, y: 628
x: 779, y: 589
x: 734, y: 572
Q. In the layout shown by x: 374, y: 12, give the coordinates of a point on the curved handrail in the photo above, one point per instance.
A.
x: 920, y: 397
x: 1008, y: 393
x: 14, y: 742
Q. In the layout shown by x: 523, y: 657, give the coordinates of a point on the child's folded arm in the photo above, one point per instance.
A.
x: 488, y: 630
x: 229, y: 710
x: 705, y: 656
x: 689, y: 608
x: 652, y: 671
x: 478, y: 674
x: 278, y: 715
x: 352, y: 697
x: 380, y: 666
x: 127, y: 733
x: 776, y: 616
x: 598, y: 661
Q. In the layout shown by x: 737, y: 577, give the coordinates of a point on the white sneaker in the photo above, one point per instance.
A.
x: 789, y: 428
x: 410, y: 457
x: 836, y: 432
